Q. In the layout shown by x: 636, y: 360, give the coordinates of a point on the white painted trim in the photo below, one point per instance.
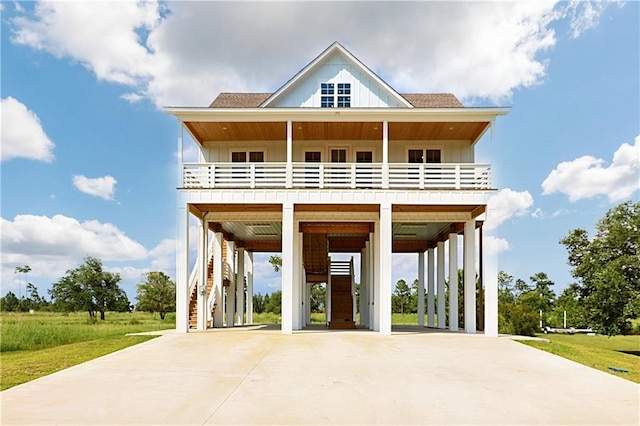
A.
x: 453, y: 282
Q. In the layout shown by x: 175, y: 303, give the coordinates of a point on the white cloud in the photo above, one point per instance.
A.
x: 495, y: 245
x: 197, y: 49
x: 585, y: 15
x: 22, y: 133
x: 507, y: 204
x: 51, y: 245
x: 588, y: 177
x: 102, y: 187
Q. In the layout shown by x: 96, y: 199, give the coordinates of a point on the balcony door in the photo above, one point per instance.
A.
x: 338, y: 174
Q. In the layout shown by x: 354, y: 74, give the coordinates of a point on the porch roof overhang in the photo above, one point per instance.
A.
x: 269, y: 124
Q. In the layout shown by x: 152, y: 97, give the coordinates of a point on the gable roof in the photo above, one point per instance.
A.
x: 339, y: 49
x: 255, y: 100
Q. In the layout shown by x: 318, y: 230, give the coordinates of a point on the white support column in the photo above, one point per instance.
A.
x: 182, y: 271
x: 218, y: 269
x: 469, y: 276
x: 297, y: 275
x: 307, y: 301
x: 386, y: 266
x: 231, y: 289
x: 453, y: 282
x: 442, y: 315
x: 249, y: 268
x: 431, y: 276
x: 490, y: 280
x: 202, y: 264
x: 240, y: 286
x: 372, y: 280
x: 376, y: 277
x: 421, y: 289
x: 364, y: 287
x: 288, y: 236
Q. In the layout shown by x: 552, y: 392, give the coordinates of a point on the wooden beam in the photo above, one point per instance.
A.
x: 478, y: 211
x: 316, y: 278
x: 244, y: 208
x: 336, y: 227
x: 410, y: 246
x: 263, y: 246
x: 347, y: 245
x: 455, y: 208
x: 346, y: 208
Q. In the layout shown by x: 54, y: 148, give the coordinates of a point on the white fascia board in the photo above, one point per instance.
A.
x: 335, y: 114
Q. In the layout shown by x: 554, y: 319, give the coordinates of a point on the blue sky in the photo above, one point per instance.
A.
x: 89, y: 164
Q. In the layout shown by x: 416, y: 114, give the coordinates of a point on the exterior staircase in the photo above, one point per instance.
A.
x: 315, y: 249
x: 342, y: 296
x: 193, y: 300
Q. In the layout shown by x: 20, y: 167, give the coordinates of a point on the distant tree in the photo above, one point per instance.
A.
x: 157, y: 294
x: 402, y: 295
x: 569, y: 302
x: 274, y: 303
x: 608, y: 268
x: 89, y: 288
x: 9, y: 303
x: 318, y: 297
x: 24, y: 270
x: 258, y: 303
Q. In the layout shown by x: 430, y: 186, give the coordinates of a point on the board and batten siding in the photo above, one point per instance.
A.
x: 365, y: 92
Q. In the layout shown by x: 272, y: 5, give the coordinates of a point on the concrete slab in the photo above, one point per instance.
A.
x: 259, y: 376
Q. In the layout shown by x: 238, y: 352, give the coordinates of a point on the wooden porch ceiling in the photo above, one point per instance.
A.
x: 339, y: 130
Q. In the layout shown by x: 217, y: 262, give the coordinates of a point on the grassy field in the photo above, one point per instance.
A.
x: 599, y: 352
x: 35, y: 345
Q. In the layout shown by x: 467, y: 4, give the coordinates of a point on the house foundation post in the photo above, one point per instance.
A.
x: 202, y: 264
x: 297, y: 275
x: 182, y: 271
x: 231, y: 288
x: 441, y: 299
x: 240, y: 286
x: 421, y: 289
x: 431, y: 287
x: 386, y: 265
x: 490, y: 283
x: 363, y: 300
x: 249, y: 268
x: 469, y: 276
x: 288, y: 233
x: 453, y: 282
x: 218, y: 274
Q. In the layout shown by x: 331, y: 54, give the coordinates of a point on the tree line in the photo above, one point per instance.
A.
x: 90, y: 288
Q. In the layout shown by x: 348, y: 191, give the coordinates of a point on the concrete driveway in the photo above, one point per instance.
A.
x: 259, y: 376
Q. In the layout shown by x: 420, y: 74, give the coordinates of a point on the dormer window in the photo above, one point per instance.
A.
x: 331, y: 98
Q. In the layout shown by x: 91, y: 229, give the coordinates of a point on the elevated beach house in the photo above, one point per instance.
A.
x: 336, y: 161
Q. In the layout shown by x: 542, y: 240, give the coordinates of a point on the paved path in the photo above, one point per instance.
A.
x: 250, y: 376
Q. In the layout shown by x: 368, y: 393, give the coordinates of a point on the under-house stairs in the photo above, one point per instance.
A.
x: 319, y: 268
x: 193, y: 301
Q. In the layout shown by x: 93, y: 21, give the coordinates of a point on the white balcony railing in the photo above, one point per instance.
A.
x: 337, y: 175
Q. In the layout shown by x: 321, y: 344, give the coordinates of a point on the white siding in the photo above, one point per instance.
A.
x: 365, y: 92
x: 274, y: 151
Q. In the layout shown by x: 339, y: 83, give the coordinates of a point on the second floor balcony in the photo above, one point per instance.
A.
x: 423, y: 176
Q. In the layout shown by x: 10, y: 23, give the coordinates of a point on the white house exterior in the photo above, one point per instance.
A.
x: 335, y: 161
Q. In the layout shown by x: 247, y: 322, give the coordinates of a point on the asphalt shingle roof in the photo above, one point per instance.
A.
x: 254, y: 100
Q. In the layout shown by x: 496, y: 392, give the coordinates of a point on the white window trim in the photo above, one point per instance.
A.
x: 424, y: 148
x: 247, y: 151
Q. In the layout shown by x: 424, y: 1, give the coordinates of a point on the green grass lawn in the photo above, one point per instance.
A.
x: 35, y: 345
x: 599, y: 352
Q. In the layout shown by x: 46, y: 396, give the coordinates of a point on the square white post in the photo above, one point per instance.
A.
x: 231, y: 289
x: 289, y: 167
x: 218, y: 269
x: 470, y: 276
x: 385, y: 154
x: 182, y: 271
x: 249, y: 268
x: 376, y: 267
x: 240, y: 286
x: 421, y: 289
x: 288, y: 233
x: 441, y: 299
x: 431, y: 307
x: 202, y: 264
x: 453, y: 282
x: 364, y: 286
x: 297, y: 278
x: 386, y: 265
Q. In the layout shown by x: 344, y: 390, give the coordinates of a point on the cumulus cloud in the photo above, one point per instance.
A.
x: 102, y: 187
x: 495, y: 245
x: 507, y: 204
x: 588, y: 177
x: 51, y: 245
x: 490, y: 48
x: 22, y: 133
